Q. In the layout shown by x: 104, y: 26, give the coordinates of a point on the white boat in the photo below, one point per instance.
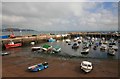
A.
x: 67, y: 40
x: 115, y: 47
x: 105, y: 42
x: 5, y: 53
x: 85, y: 51
x: 103, y: 47
x: 79, y: 41
x: 86, y: 66
x: 32, y: 43
x: 111, y: 51
x: 35, y: 48
x: 75, y: 39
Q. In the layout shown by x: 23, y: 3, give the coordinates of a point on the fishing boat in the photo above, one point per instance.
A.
x: 11, y: 44
x: 46, y: 47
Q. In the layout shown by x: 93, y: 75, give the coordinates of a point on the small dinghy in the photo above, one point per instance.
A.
x: 5, y: 53
x: 75, y: 46
x: 56, y: 49
x: 85, y: 51
x: 111, y: 51
x: 35, y: 48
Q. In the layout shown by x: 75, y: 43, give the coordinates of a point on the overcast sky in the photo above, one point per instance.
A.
x: 61, y: 16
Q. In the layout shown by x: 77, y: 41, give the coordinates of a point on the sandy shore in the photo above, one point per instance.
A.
x: 58, y: 67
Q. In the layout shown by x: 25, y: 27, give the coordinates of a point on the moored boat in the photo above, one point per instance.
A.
x: 103, y: 47
x: 12, y: 44
x: 85, y: 51
x: 75, y: 46
x: 111, y: 51
x: 115, y: 47
x: 46, y: 47
x: 67, y: 40
x: 56, y: 49
x: 51, y: 40
x: 35, y: 48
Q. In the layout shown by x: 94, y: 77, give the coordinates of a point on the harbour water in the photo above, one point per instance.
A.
x: 66, y: 52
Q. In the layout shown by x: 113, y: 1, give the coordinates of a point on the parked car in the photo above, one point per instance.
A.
x: 86, y: 66
x: 38, y: 67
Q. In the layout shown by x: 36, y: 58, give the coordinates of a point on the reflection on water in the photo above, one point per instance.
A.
x: 66, y: 51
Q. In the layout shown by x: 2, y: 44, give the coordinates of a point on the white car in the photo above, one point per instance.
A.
x: 86, y: 66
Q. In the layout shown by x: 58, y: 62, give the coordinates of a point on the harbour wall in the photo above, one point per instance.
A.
x: 26, y: 40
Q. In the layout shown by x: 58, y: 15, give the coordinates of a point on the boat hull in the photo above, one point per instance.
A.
x: 13, y: 45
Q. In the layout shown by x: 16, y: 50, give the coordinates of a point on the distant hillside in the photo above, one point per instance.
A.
x: 15, y: 29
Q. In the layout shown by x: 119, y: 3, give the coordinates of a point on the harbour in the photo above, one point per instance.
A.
x: 24, y: 56
x: 60, y: 40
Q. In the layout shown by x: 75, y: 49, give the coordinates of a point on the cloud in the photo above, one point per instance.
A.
x: 60, y: 0
x: 59, y: 16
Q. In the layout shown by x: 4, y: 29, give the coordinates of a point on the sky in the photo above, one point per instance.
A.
x: 61, y: 16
